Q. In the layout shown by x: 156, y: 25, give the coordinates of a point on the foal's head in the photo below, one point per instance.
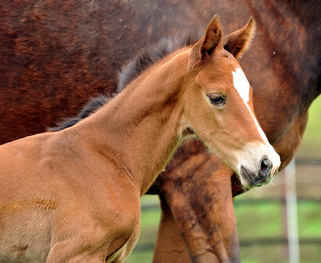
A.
x: 219, y: 107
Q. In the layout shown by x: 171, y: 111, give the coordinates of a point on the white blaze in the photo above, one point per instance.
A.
x: 242, y: 86
x: 252, y: 151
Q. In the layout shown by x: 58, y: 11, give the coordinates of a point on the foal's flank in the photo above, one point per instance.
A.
x: 91, y: 176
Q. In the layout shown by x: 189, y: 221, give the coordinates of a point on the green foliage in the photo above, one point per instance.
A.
x: 140, y: 257
x: 265, y: 221
x: 309, y: 220
x: 251, y: 218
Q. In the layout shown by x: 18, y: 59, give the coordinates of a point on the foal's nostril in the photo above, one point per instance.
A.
x: 265, y: 168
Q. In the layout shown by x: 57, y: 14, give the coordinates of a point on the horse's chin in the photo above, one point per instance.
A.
x: 248, y: 182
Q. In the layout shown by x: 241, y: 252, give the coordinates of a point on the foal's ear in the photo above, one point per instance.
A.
x: 207, y: 44
x: 239, y: 41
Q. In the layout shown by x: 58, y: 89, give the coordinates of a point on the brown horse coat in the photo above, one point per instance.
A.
x: 73, y: 195
x: 56, y: 54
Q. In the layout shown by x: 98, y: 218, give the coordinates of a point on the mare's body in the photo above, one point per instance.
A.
x: 55, y: 57
x: 73, y: 195
x: 285, y: 74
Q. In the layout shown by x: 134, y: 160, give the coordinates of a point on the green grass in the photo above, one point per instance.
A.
x: 140, y: 257
x: 257, y: 221
x: 264, y: 221
x: 309, y: 221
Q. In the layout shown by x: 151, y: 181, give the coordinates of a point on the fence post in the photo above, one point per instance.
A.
x: 291, y: 213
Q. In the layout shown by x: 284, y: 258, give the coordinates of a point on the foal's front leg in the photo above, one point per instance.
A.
x: 170, y: 246
x: 95, y: 240
x: 76, y: 249
x: 128, y: 247
x: 79, y: 249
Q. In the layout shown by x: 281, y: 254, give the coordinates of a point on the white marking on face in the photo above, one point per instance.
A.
x: 242, y: 86
x: 251, y: 154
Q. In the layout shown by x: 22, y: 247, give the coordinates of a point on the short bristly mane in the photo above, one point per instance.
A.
x: 93, y: 105
x: 151, y: 56
x: 145, y: 59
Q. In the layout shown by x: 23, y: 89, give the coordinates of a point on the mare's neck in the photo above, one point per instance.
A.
x: 292, y: 31
x: 141, y: 127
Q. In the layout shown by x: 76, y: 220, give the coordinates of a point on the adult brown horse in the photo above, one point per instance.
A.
x: 56, y: 54
x: 73, y: 195
x: 287, y: 76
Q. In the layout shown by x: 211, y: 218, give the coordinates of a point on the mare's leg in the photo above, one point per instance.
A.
x: 170, y: 246
x: 198, y: 190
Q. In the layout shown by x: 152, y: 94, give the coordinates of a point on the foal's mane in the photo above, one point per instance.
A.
x: 145, y: 59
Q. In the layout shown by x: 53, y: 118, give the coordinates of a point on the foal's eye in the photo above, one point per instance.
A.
x: 218, y: 100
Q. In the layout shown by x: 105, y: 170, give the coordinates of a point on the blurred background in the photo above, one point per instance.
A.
x: 280, y: 222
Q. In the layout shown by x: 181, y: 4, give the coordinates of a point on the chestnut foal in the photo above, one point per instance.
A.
x: 73, y: 195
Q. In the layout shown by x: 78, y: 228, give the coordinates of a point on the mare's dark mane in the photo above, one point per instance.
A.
x: 146, y: 58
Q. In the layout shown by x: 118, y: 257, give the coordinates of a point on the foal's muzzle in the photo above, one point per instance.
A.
x: 260, y: 177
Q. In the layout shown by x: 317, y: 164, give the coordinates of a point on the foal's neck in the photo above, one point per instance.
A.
x: 142, y: 126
